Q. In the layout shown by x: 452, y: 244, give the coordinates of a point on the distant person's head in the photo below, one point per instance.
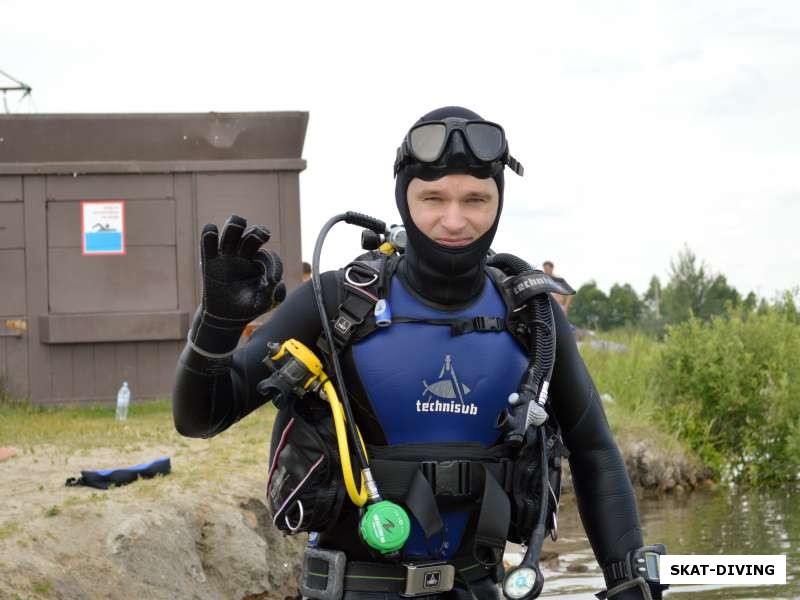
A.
x: 306, y: 271
x: 548, y: 267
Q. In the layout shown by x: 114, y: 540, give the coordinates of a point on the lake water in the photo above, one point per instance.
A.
x: 720, y: 522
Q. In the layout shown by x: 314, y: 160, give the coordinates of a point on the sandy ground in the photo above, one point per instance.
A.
x: 153, y: 539
x: 202, y: 532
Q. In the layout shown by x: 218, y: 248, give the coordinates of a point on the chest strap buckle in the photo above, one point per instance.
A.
x: 449, y: 478
x: 479, y: 324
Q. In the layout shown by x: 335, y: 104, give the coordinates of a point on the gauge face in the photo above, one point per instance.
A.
x: 519, y: 582
x: 651, y: 560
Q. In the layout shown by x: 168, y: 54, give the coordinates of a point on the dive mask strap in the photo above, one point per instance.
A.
x: 515, y: 165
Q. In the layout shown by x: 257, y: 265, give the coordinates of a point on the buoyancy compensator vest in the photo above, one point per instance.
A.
x: 447, y: 473
x: 368, y: 291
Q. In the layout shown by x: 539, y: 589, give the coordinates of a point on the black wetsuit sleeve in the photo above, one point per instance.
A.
x: 209, y: 396
x: 606, y: 499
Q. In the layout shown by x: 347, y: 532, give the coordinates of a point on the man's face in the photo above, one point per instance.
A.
x: 455, y: 210
x: 548, y: 268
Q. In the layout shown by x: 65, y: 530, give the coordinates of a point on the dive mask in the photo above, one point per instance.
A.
x: 426, y: 143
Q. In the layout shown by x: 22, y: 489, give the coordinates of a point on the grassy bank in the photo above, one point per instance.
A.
x: 728, y: 389
x: 725, y: 390
x: 81, y: 430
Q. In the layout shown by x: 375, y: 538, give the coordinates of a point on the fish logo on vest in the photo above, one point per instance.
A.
x: 447, y: 394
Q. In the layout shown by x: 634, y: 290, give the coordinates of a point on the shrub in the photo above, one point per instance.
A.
x: 731, y: 388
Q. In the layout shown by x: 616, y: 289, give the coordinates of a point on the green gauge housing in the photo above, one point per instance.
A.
x: 385, y: 526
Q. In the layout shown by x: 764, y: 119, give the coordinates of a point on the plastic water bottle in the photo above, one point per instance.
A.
x: 123, y: 399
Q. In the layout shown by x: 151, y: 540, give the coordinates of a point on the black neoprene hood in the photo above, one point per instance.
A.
x: 441, y: 274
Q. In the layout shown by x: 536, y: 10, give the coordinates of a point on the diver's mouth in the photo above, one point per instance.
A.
x: 454, y: 242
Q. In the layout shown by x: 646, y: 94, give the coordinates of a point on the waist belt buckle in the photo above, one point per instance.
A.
x: 429, y: 578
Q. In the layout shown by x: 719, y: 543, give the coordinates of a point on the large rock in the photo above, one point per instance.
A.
x: 159, y: 550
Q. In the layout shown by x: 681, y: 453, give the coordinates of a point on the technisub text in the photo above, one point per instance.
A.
x: 451, y: 407
x: 529, y: 283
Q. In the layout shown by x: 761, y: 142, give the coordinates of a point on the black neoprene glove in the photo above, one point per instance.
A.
x: 241, y: 281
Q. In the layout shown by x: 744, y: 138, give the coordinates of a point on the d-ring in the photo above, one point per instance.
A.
x: 294, y: 528
x: 349, y: 280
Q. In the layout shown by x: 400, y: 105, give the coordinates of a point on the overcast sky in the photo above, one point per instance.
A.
x: 642, y: 126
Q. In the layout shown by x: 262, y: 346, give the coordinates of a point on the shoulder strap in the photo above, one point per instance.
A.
x: 516, y: 323
x: 362, y: 283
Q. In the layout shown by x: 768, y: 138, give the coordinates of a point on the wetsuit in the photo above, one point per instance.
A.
x: 213, y: 391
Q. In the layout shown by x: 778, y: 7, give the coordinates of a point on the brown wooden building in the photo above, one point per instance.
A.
x: 75, y: 322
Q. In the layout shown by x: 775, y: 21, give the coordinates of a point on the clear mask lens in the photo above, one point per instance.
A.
x: 427, y: 141
x: 485, y: 140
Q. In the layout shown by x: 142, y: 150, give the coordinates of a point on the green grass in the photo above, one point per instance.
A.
x: 8, y: 529
x: 93, y: 426
x: 627, y: 378
x: 83, y: 426
x: 43, y: 587
x: 50, y: 433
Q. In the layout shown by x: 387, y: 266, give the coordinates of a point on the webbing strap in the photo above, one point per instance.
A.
x: 422, y: 504
x: 419, y: 484
x: 493, y: 521
x: 386, y: 577
x: 480, y: 324
x: 361, y: 284
x: 470, y: 570
x: 374, y: 577
x: 355, y: 307
x: 452, y: 478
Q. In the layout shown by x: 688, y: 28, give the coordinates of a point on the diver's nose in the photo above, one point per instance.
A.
x: 453, y: 219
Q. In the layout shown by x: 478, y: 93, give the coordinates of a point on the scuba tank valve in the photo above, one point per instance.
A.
x: 392, y: 240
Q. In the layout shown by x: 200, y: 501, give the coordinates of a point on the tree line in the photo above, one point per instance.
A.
x: 692, y: 289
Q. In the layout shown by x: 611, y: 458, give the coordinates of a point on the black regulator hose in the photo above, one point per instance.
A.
x: 508, y: 263
x: 377, y: 512
x: 529, y: 401
x: 526, y: 581
x: 379, y: 227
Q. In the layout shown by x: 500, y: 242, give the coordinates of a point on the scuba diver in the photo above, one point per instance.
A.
x: 460, y: 382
